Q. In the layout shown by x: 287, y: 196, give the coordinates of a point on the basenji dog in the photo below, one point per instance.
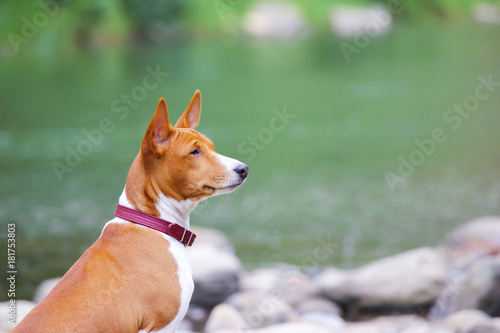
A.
x: 136, y: 276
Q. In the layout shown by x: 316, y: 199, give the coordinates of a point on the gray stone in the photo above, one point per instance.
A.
x: 490, y: 300
x: 471, y: 251
x: 486, y: 13
x: 261, y: 309
x: 196, y: 317
x: 327, y: 320
x: 274, y: 20
x: 22, y: 309
x: 480, y: 236
x: 213, y: 237
x: 318, y: 304
x: 353, y: 21
x: 285, y: 282
x: 483, y: 328
x: 264, y: 279
x: 225, y: 317
x: 44, y: 289
x: 216, y: 274
x: 297, y: 327
x: 395, y: 324
x: 331, y: 279
x: 408, y: 279
x: 463, y: 320
x: 185, y: 326
x: 495, y: 322
x: 475, y: 285
x: 362, y: 328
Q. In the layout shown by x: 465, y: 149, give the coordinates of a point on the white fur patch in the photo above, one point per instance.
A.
x: 175, y: 211
x: 186, y: 282
x: 233, y: 178
x: 229, y: 163
x: 178, y: 212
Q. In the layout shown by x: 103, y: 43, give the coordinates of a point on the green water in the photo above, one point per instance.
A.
x: 317, y: 178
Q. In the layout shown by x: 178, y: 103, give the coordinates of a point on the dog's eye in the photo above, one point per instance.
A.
x: 195, y: 152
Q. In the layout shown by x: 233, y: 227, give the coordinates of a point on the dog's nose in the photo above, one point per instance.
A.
x: 242, y: 170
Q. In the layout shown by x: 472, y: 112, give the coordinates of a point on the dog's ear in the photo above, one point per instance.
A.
x: 191, y: 116
x: 158, y: 130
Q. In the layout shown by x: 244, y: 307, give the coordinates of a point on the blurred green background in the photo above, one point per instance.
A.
x: 320, y: 179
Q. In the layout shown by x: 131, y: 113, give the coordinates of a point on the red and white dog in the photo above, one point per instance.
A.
x: 136, y: 277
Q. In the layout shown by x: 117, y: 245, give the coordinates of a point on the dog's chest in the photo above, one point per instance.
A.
x: 185, y: 280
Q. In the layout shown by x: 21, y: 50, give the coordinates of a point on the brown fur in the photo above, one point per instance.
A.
x: 165, y: 164
x: 116, y: 272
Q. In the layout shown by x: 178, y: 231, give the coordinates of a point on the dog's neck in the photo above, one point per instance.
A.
x: 170, y: 209
x: 142, y: 194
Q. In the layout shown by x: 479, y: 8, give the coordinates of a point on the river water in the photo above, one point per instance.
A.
x: 321, y: 135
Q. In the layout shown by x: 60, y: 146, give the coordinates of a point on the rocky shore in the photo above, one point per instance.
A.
x: 280, y: 20
x: 453, y: 287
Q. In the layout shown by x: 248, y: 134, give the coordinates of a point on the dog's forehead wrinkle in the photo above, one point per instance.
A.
x: 195, y: 135
x: 207, y: 147
x: 172, y: 138
x: 188, y: 131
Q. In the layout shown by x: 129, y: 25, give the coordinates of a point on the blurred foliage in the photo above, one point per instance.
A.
x: 64, y: 24
x: 50, y: 25
x: 435, y: 10
x: 155, y: 21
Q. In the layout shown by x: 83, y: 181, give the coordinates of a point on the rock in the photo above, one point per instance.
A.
x: 406, y: 280
x: 395, y: 324
x: 472, y: 251
x: 22, y: 308
x: 486, y: 13
x: 327, y: 320
x: 216, y: 274
x: 478, y: 237
x: 274, y: 20
x: 213, y: 237
x: 331, y: 278
x: 483, y: 328
x: 264, y: 279
x: 351, y: 21
x: 298, y: 327
x: 318, y: 304
x: 185, y: 326
x: 322, y: 312
x: 195, y: 318
x: 261, y: 309
x: 466, y: 319
x: 495, y: 322
x: 44, y: 289
x: 490, y: 300
x: 285, y: 282
x: 475, y: 285
x: 361, y: 328
x: 225, y: 317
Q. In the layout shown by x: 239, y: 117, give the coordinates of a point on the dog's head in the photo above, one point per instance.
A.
x: 182, y: 162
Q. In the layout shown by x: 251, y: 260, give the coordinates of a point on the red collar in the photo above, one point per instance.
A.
x: 183, y: 235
